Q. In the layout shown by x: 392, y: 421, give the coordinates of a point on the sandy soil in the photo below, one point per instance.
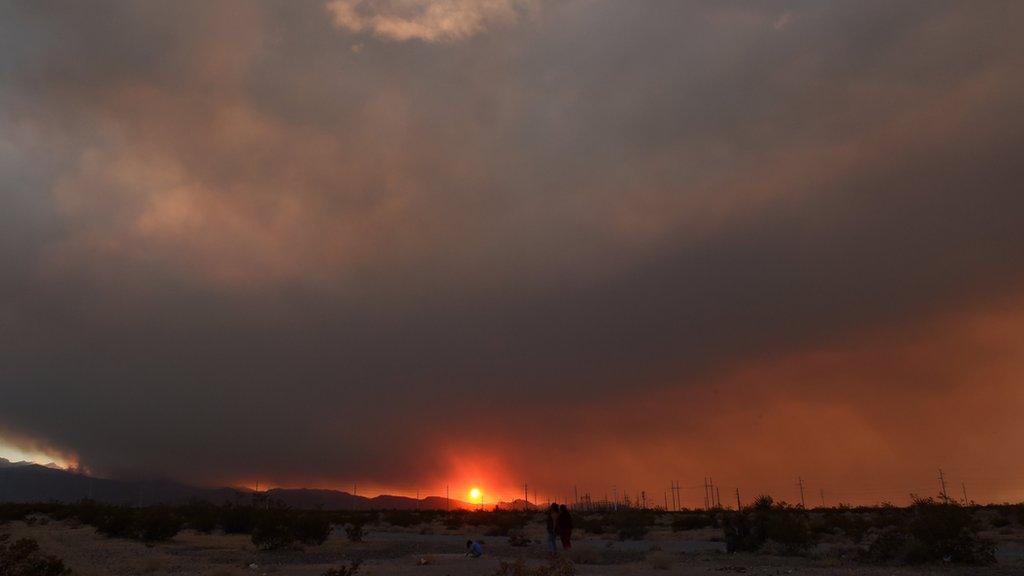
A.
x: 429, y: 551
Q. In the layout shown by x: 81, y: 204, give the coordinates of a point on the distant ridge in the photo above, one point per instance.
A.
x: 22, y: 482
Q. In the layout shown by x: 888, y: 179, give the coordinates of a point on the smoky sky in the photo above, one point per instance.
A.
x: 394, y: 241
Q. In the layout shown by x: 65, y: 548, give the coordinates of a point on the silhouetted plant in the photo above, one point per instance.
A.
x: 312, y: 528
x: 355, y: 531
x: 931, y: 531
x: 156, y: 524
x: 273, y: 529
x: 689, y: 521
x: 236, y: 519
x: 201, y: 516
x: 766, y: 523
x: 23, y: 558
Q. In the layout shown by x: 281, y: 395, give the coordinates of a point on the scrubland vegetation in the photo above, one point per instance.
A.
x: 927, y: 532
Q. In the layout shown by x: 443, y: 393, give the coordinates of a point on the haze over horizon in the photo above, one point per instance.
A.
x: 413, y: 243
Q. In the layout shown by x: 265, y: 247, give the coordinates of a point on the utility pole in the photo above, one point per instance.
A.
x: 448, y: 497
x: 942, y: 483
x: 666, y: 500
x: 822, y: 491
x: 964, y: 488
x: 800, y: 483
x: 576, y: 495
x: 718, y: 497
x: 739, y: 506
x: 706, y: 493
x: 526, y: 496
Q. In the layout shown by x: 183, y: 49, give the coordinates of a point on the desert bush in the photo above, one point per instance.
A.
x: 505, y: 522
x: 946, y: 531
x: 156, y: 524
x: 886, y: 545
x: 685, y: 522
x: 931, y: 532
x: 351, y: 570
x: 355, y: 532
x: 115, y: 521
x: 238, y: 519
x: 593, y: 524
x: 274, y: 529
x: 200, y: 516
x: 999, y: 521
x: 454, y: 520
x: 23, y: 558
x: 312, y: 528
x: 145, y: 524
x: 767, y: 525
x: 402, y: 518
x: 10, y: 512
x: 841, y: 522
x: 630, y: 524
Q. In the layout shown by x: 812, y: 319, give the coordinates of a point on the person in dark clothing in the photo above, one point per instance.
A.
x: 563, y: 525
x: 474, y: 549
x: 552, y: 518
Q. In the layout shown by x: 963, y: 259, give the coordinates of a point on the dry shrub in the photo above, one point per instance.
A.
x: 23, y: 558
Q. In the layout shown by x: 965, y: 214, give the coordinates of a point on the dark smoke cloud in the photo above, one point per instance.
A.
x: 259, y: 240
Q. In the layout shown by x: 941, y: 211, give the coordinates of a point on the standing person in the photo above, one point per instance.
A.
x: 564, y: 526
x: 552, y: 518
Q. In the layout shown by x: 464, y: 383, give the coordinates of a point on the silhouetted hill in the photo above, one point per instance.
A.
x: 26, y: 482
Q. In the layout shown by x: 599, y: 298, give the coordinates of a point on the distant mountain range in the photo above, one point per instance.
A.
x: 29, y: 482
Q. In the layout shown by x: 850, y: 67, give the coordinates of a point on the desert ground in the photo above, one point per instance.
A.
x: 428, y: 550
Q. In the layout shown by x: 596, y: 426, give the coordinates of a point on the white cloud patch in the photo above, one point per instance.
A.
x: 426, y: 20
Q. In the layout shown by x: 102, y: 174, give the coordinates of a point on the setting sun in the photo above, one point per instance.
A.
x: 474, y: 494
